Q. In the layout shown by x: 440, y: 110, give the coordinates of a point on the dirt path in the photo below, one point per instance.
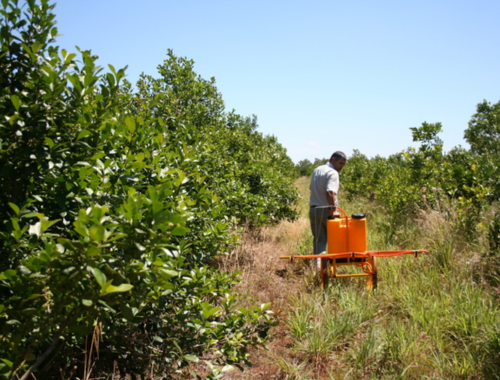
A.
x: 266, y: 278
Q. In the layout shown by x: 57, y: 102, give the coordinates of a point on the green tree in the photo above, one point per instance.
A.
x: 483, y: 133
x: 114, y: 205
x: 362, y: 176
x: 305, y: 167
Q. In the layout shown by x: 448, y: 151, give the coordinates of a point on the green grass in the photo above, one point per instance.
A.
x: 432, y: 317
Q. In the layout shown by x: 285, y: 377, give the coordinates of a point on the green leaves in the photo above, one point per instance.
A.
x: 484, y: 128
x: 119, y: 288
x: 105, y: 284
x: 9, y: 274
x: 209, y: 311
x: 15, y: 208
x: 97, y: 233
x: 6, y: 367
x: 191, y: 358
x: 130, y: 123
x: 179, y: 231
x: 41, y: 226
x: 115, y: 204
x: 15, y: 101
x: 83, y: 134
x: 99, y: 276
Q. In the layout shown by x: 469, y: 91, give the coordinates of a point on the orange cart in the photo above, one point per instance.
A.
x: 347, y: 245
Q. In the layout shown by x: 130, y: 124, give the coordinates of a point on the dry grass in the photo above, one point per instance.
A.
x: 266, y: 278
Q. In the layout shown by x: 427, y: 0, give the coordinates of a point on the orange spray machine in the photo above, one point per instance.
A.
x: 348, y: 245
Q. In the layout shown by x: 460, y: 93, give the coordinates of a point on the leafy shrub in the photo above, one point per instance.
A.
x: 249, y: 172
x: 114, y: 204
x: 424, y: 177
x: 306, y: 167
x: 362, y: 176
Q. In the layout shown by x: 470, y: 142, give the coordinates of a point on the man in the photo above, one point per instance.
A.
x: 324, y: 189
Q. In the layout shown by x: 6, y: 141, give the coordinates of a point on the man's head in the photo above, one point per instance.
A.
x: 338, y: 160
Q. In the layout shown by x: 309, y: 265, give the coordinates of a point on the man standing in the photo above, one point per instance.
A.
x: 324, y: 189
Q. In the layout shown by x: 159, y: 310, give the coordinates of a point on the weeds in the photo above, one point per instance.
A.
x: 292, y: 370
x: 433, y: 317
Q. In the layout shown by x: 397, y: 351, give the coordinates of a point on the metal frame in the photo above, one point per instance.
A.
x: 328, y: 269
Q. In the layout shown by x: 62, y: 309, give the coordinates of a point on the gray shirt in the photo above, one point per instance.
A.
x: 324, y: 178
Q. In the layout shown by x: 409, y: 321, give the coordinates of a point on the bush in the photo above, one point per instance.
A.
x: 114, y: 205
x: 423, y: 178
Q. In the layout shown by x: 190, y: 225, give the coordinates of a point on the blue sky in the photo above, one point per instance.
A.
x: 320, y: 75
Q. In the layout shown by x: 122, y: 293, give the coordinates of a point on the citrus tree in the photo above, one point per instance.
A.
x: 114, y: 205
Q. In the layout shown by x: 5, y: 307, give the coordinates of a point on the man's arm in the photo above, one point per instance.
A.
x: 331, y: 197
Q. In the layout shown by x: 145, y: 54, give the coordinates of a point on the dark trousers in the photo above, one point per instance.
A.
x: 318, y: 218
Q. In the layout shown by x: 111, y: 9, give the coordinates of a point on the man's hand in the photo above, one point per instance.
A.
x: 333, y: 212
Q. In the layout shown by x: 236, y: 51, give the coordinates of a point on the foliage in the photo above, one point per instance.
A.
x: 432, y: 316
x: 114, y: 205
x: 483, y: 133
x: 306, y: 167
x: 421, y: 178
x: 435, y: 316
x: 240, y: 165
x: 362, y: 176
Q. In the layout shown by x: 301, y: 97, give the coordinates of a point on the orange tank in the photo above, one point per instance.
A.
x: 347, y: 234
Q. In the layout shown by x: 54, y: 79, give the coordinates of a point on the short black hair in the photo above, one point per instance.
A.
x: 338, y: 155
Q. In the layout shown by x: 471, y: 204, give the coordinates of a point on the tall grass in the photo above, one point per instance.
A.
x: 432, y: 317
